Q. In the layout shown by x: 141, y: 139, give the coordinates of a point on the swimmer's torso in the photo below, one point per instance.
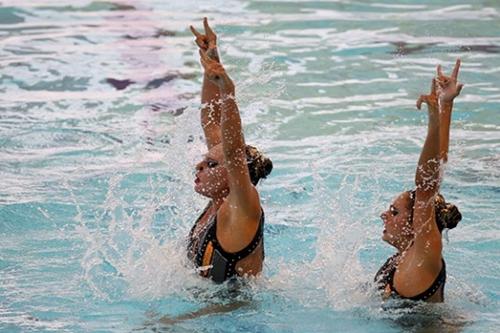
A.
x: 206, y: 252
x: 385, y: 282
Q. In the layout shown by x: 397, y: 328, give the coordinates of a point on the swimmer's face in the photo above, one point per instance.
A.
x: 397, y: 224
x: 211, y: 174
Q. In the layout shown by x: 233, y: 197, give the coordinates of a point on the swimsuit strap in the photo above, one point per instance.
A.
x: 191, y: 242
x: 385, y: 276
x: 198, y: 220
x: 223, y: 263
x: 249, y: 248
x: 438, y: 282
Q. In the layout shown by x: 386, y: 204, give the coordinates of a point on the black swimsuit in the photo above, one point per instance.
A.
x: 385, y: 277
x: 207, y: 253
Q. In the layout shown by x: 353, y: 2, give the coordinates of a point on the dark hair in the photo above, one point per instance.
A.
x: 447, y: 214
x: 259, y: 166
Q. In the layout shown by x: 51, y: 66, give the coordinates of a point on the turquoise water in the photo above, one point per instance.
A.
x: 99, y: 133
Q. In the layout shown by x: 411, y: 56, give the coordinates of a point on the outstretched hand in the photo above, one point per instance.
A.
x: 216, y: 73
x: 206, y: 42
x: 448, y: 86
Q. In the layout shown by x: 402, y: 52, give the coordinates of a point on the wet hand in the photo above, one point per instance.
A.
x: 448, y: 86
x: 431, y: 100
x: 206, y: 42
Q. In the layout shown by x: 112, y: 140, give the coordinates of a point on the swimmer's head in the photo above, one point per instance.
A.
x: 397, y: 226
x: 398, y: 219
x: 211, y: 173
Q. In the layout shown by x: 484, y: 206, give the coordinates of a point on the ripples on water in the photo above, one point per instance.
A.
x: 99, y: 133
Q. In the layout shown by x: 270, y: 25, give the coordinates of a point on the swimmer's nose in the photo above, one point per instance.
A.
x: 199, y: 167
x: 383, y: 216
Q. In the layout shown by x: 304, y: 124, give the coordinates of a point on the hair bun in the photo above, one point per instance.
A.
x: 259, y: 165
x: 451, y: 216
x: 267, y: 166
x: 447, y: 214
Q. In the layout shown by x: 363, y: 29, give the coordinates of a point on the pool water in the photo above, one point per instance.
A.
x: 99, y: 134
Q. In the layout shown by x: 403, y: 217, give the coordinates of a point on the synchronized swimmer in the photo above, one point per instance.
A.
x: 227, y: 239
x: 414, y: 221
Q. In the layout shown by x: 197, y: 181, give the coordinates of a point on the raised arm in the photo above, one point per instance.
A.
x: 422, y: 261
x: 243, y: 197
x: 427, y: 241
x: 428, y: 175
x: 210, y: 95
x: 449, y: 88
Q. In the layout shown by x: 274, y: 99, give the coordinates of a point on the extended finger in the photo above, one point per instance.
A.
x: 208, y: 30
x: 456, y: 69
x: 420, y: 100
x: 459, y: 88
x: 439, y: 70
x: 194, y: 31
x: 419, y: 103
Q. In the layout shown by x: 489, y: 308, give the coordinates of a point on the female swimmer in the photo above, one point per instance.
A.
x: 414, y: 221
x: 227, y: 239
